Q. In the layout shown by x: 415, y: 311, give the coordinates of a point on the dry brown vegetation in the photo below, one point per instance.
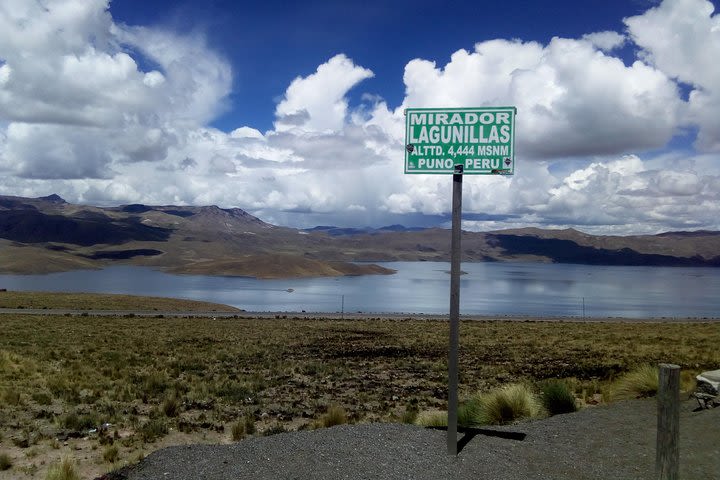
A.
x: 79, y: 385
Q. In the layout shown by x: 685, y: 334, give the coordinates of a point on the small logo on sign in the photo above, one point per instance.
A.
x: 410, y: 148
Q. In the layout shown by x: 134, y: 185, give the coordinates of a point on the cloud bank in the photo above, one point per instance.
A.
x: 106, y: 113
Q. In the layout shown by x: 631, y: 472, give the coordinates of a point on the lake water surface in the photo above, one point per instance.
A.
x: 423, y: 287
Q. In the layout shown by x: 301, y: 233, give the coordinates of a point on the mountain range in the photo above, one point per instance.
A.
x: 47, y: 234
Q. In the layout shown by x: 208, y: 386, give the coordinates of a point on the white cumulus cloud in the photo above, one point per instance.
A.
x: 107, y: 113
x: 572, y: 99
x: 317, y: 102
x: 682, y: 38
x: 75, y: 102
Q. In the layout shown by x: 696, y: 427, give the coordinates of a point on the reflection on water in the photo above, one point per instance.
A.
x: 423, y: 287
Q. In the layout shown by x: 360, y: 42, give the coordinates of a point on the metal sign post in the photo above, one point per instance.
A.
x: 454, y: 310
x: 460, y: 141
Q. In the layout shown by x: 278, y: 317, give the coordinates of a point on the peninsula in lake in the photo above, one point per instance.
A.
x: 47, y: 234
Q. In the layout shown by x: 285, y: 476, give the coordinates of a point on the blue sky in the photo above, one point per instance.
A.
x: 293, y: 111
x: 270, y: 43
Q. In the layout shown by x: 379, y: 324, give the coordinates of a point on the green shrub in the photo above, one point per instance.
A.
x: 78, y: 423
x: 468, y: 413
x: 274, y: 430
x: 234, y: 392
x: 65, y: 470
x: 335, y: 416
x: 641, y: 382
x: 153, y: 429
x: 506, y: 405
x: 557, y: 398
x: 5, y: 462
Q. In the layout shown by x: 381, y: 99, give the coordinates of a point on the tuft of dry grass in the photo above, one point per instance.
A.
x: 5, y: 462
x: 335, y: 415
x: 11, y: 397
x: 64, y: 470
x: 643, y: 381
x: 557, y: 397
x: 640, y: 382
x: 242, y: 427
x: 237, y: 431
x: 153, y: 429
x: 111, y: 454
x: 506, y: 405
x: 171, y: 406
x: 432, y: 418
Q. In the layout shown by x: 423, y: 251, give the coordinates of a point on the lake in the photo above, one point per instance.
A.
x: 423, y: 287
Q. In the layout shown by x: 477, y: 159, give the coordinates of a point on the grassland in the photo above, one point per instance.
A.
x: 108, y: 390
x: 102, y: 301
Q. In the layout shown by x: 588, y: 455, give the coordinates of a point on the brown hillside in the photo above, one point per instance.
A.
x: 47, y: 234
x: 278, y: 266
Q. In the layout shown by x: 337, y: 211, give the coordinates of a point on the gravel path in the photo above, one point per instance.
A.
x: 608, y: 442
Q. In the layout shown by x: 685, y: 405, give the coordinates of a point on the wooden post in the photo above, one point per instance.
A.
x: 667, y: 457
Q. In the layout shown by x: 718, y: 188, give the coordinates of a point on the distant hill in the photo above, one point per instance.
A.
x: 340, y: 231
x: 82, y: 228
x: 47, y: 234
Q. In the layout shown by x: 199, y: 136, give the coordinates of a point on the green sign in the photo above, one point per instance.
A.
x: 480, y: 139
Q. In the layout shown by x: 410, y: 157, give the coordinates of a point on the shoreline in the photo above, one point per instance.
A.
x: 492, y: 290
x: 365, y: 316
